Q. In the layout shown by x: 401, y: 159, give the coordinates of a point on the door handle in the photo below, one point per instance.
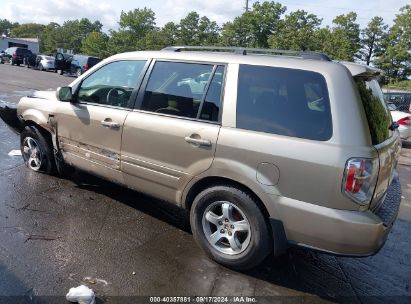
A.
x: 107, y: 123
x: 198, y: 141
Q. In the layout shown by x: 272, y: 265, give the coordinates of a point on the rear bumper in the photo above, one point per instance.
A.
x: 340, y: 232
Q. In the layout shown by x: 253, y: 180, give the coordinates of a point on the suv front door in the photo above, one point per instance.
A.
x: 90, y: 128
x: 172, y: 135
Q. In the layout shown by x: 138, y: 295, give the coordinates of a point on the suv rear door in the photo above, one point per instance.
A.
x: 171, y: 136
x: 384, y: 138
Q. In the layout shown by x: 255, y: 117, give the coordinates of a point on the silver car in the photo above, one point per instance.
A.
x: 44, y: 62
x: 267, y: 152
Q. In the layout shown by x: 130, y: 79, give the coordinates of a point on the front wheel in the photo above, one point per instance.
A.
x: 230, y: 227
x: 41, y: 68
x: 78, y: 72
x: 37, y: 150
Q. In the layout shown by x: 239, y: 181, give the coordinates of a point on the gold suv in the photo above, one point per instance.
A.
x: 266, y: 148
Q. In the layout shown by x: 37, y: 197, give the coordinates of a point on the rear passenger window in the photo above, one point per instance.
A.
x: 283, y: 101
x: 183, y: 89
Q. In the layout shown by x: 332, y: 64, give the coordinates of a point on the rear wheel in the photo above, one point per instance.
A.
x: 11, y: 62
x: 229, y: 226
x: 41, y: 68
x: 37, y: 150
x: 78, y: 72
x: 60, y: 72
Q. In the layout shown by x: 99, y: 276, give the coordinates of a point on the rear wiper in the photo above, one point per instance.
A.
x: 394, y: 126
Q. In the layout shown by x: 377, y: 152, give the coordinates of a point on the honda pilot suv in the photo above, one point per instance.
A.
x: 265, y: 148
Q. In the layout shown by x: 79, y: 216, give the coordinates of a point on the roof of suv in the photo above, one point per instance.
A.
x: 293, y: 59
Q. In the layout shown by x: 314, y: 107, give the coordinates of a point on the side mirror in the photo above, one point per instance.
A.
x: 64, y: 94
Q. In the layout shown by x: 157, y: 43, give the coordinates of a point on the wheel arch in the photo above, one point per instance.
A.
x: 210, y: 181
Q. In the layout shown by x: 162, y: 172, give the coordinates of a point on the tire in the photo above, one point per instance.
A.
x: 41, y: 68
x: 78, y: 72
x: 60, y: 72
x: 37, y: 150
x: 252, y: 246
x: 11, y: 62
x: 1, y: 61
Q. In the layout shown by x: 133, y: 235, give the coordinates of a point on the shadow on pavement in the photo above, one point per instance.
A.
x: 347, y: 280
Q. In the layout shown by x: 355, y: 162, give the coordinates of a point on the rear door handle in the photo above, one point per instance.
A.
x: 198, y: 141
x: 108, y: 123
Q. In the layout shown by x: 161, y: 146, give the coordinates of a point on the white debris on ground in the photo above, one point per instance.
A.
x: 15, y: 153
x: 81, y: 294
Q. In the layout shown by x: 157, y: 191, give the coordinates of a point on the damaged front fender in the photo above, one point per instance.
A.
x: 8, y: 113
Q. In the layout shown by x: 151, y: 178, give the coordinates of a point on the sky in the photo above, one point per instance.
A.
x: 108, y: 11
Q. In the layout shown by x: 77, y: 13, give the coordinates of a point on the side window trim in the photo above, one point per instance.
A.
x: 210, y: 78
x: 133, y: 96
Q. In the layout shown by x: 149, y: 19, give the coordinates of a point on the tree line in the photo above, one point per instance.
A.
x: 266, y: 25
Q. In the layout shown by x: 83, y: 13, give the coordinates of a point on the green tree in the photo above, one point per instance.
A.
x: 253, y: 28
x: 6, y: 26
x: 395, y: 60
x: 139, y: 21
x: 343, y: 40
x: 170, y: 33
x: 68, y: 36
x: 27, y: 30
x: 48, y: 41
x: 196, y: 30
x: 372, y: 38
x: 135, y: 25
x: 95, y: 44
x: 296, y: 32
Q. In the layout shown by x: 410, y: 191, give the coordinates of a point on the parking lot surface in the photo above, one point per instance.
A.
x: 58, y: 233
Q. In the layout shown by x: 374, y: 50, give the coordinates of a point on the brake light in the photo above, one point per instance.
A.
x: 86, y: 66
x: 406, y: 121
x: 360, y: 177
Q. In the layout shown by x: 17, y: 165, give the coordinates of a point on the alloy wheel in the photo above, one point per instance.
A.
x: 226, y: 228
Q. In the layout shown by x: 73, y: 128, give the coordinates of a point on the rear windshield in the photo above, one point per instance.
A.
x: 23, y: 51
x: 93, y: 61
x: 283, y: 101
x: 378, y: 115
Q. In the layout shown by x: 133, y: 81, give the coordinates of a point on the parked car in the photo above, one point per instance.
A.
x: 275, y: 150
x: 74, y: 64
x: 45, y: 63
x: 62, y: 63
x: 81, y: 63
x: 15, y: 55
x: 31, y: 61
x: 404, y: 122
x: 401, y: 99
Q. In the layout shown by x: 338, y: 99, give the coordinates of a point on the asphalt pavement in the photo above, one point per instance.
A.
x: 58, y: 233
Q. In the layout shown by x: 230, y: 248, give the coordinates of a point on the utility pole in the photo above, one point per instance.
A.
x: 246, y: 6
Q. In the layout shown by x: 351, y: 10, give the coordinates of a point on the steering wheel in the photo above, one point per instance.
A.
x: 116, y: 97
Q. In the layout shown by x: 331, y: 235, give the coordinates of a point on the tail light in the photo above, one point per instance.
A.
x: 406, y: 121
x: 14, y: 55
x: 360, y: 177
x: 86, y: 66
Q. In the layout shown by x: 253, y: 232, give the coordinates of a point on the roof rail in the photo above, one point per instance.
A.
x: 245, y: 51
